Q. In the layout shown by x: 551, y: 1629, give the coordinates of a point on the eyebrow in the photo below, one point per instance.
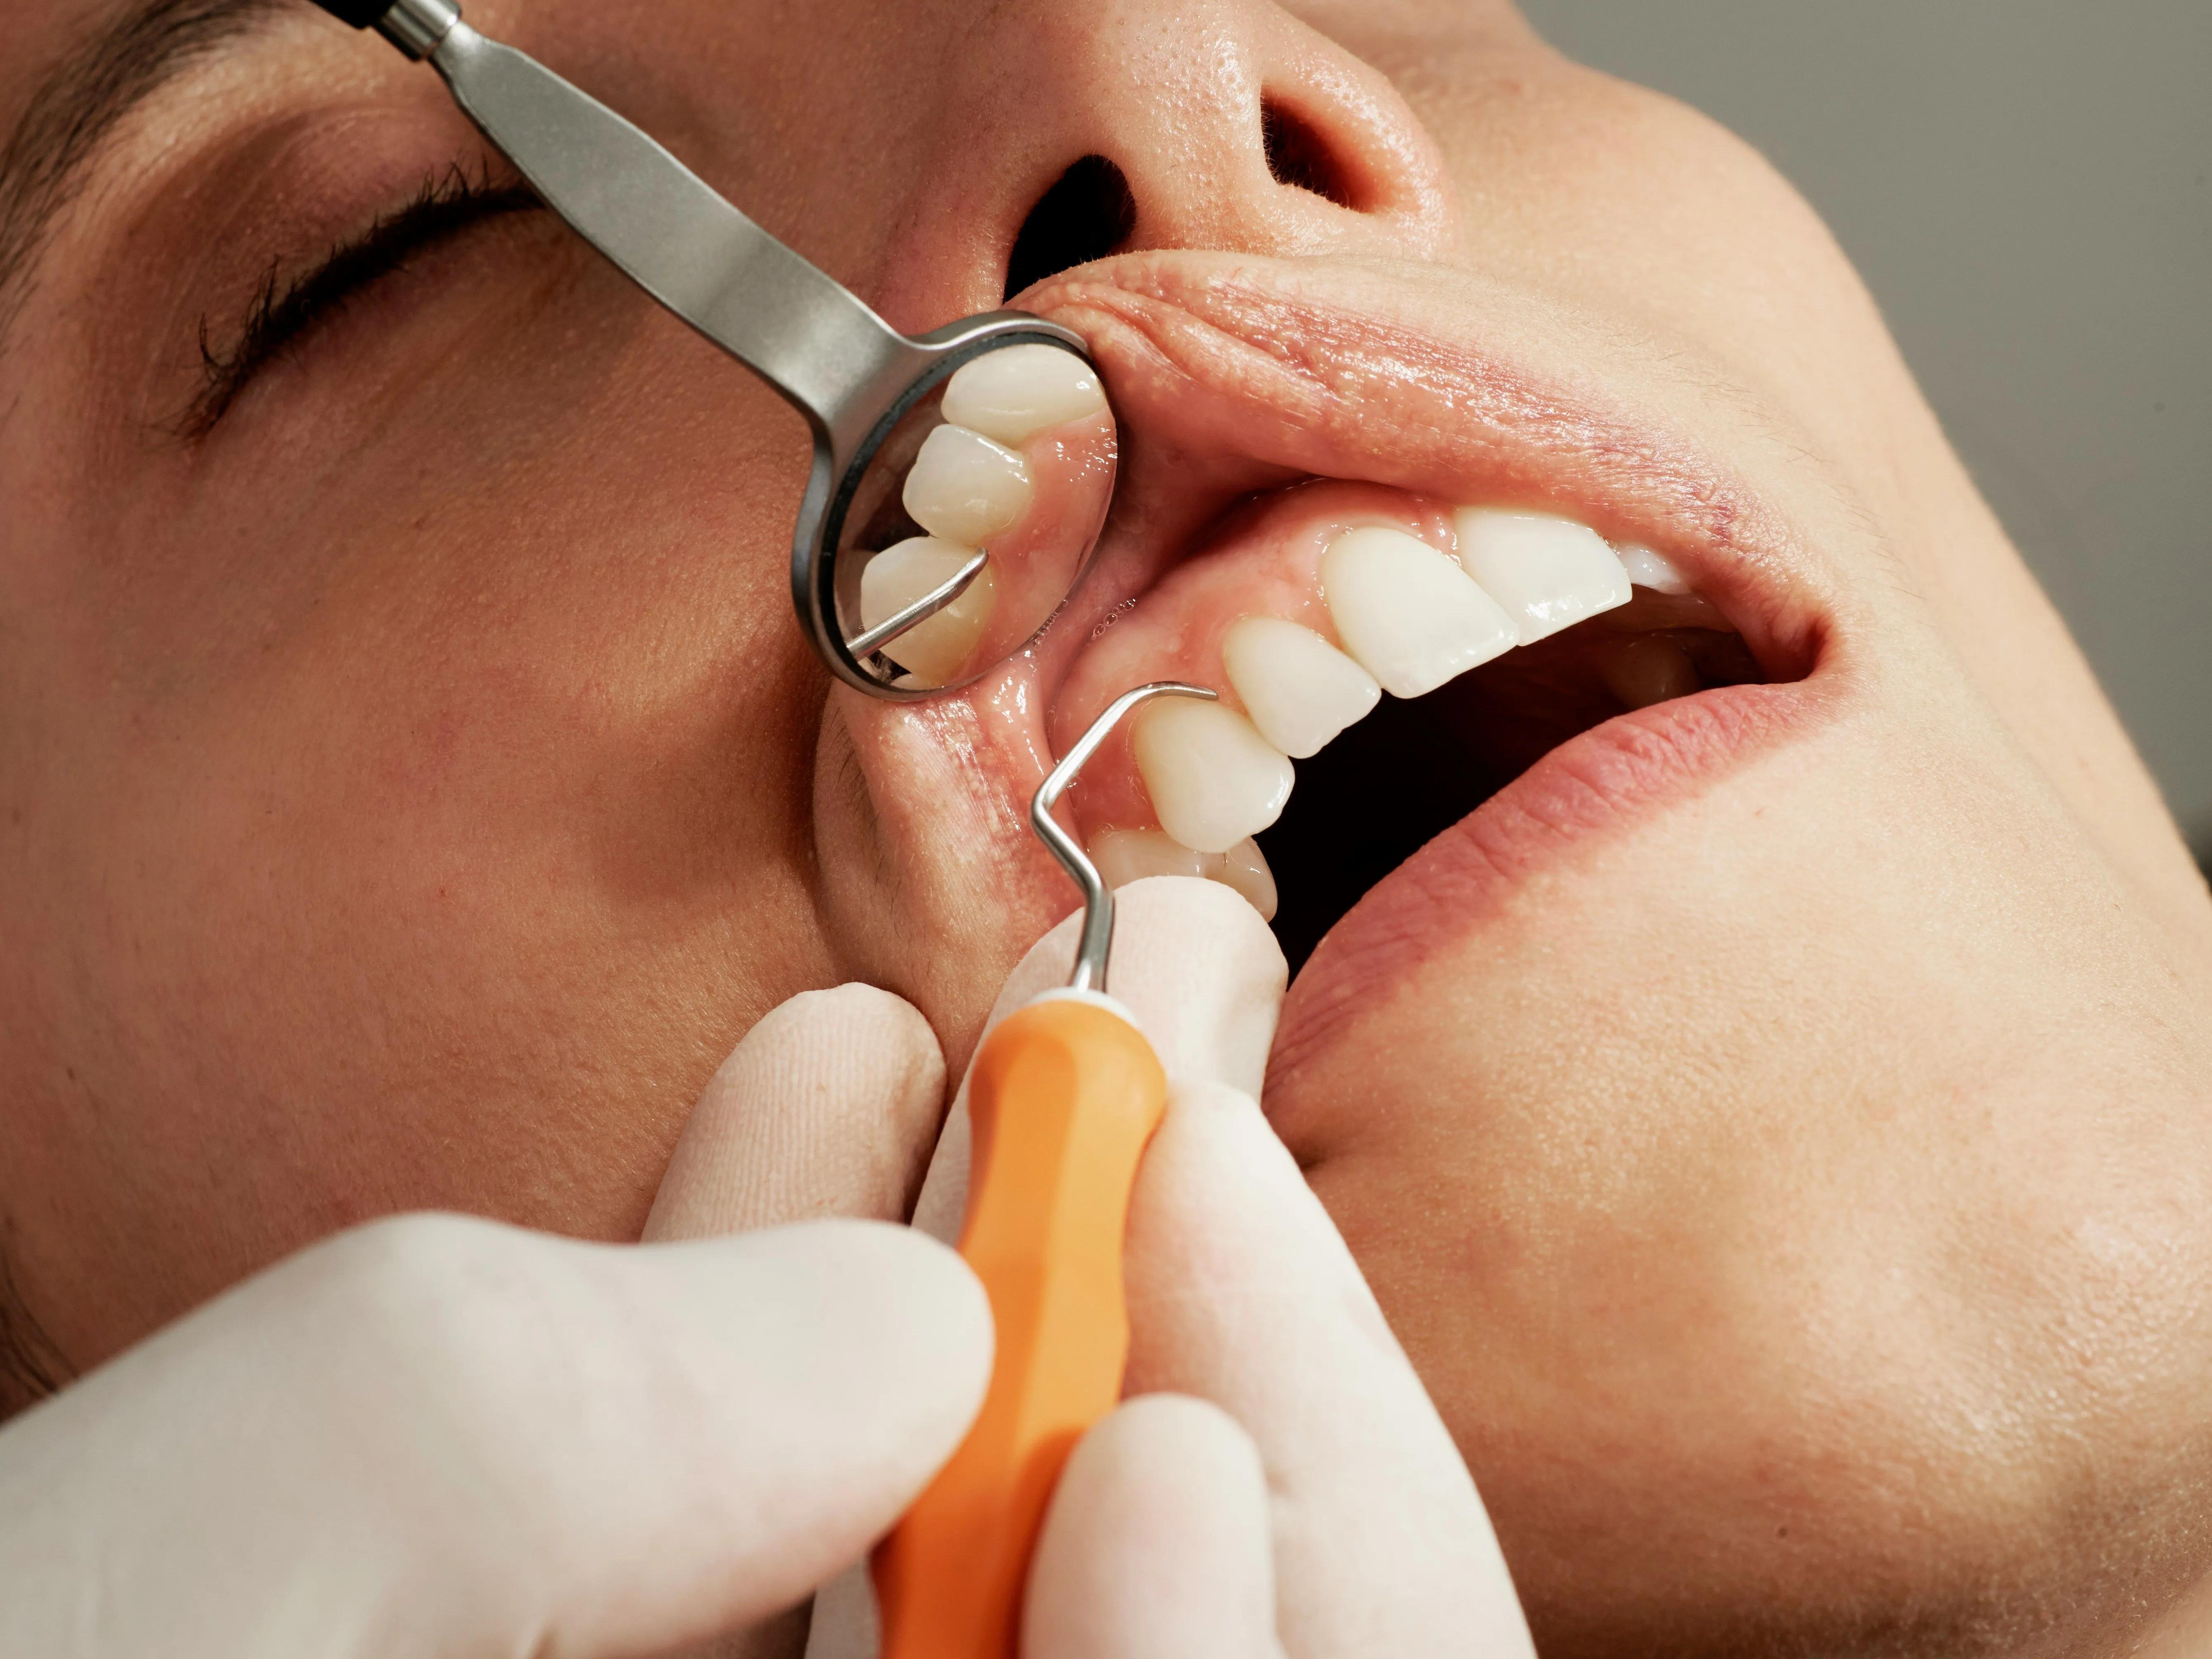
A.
x: 81, y: 100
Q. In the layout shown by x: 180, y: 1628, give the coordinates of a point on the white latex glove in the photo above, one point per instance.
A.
x: 1297, y: 1491
x: 441, y: 1437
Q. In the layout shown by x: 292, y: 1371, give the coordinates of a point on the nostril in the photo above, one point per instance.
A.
x: 1299, y: 156
x: 1087, y: 214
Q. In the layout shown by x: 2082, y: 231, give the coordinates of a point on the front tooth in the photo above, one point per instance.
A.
x: 1126, y: 855
x: 1647, y: 568
x: 1018, y: 392
x: 1406, y: 614
x: 1549, y: 573
x: 1212, y: 778
x: 1244, y: 867
x: 935, y: 650
x: 964, y: 488
x: 1299, y: 688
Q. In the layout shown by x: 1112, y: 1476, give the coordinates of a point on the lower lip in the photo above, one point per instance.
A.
x: 1600, y: 784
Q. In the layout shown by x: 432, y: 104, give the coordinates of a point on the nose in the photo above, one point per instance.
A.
x: 1067, y: 131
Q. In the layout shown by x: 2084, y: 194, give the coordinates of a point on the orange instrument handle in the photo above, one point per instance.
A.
x: 1064, y: 1096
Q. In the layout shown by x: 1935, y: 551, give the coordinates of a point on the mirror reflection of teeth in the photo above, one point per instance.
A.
x: 1013, y: 394
x: 1408, y: 619
x: 1126, y: 855
x: 970, y: 483
x: 964, y: 488
x: 934, y: 650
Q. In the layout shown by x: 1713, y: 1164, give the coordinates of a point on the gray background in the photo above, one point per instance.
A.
x: 2023, y: 185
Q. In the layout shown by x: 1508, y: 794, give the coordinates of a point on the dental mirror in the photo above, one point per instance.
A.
x: 961, y: 477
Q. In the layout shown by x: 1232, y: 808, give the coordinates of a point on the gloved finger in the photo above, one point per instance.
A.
x: 1157, y: 1544
x: 441, y: 1437
x: 830, y: 1106
x: 1204, y: 976
x: 1241, y: 1292
x: 1191, y: 961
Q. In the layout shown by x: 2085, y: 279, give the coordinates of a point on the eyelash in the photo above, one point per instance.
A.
x: 279, y: 316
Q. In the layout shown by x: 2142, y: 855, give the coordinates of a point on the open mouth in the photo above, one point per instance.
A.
x: 1467, y: 588
x: 1387, y: 663
x: 1413, y: 769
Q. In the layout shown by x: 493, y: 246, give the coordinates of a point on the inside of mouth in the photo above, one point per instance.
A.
x: 1390, y: 784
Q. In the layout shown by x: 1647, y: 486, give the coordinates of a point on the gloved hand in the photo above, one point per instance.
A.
x: 441, y: 1437
x: 1279, y: 1481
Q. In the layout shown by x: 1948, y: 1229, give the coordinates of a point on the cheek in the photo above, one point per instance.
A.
x: 435, y: 860
x: 1656, y: 1218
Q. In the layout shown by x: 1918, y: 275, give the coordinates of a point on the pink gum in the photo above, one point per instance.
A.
x: 1264, y: 561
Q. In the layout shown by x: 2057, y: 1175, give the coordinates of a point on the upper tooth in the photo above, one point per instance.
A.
x: 1547, y: 572
x: 1018, y: 392
x: 933, y: 650
x: 1407, y: 614
x: 1212, y: 778
x: 1653, y: 570
x: 1299, y: 690
x: 964, y: 488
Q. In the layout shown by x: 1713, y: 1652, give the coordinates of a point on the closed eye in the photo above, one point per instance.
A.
x: 283, y: 314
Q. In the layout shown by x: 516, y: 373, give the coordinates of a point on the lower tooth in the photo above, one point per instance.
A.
x: 1299, y: 690
x: 1126, y: 855
x: 1549, y: 573
x: 1212, y: 778
x: 936, y: 650
x: 965, y: 488
x: 1408, y: 615
x: 1244, y: 867
x: 1650, y: 670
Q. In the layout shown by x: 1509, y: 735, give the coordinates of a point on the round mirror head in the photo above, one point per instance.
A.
x: 961, y: 529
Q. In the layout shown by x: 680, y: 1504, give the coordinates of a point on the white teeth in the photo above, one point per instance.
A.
x: 1653, y: 669
x: 1126, y: 855
x: 1244, y: 867
x: 934, y: 651
x: 1299, y: 688
x: 1549, y: 573
x: 1212, y: 778
x: 1649, y: 569
x: 1014, y: 393
x: 1406, y: 614
x: 965, y: 488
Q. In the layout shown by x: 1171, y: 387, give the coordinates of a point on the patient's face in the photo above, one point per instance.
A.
x: 1776, y: 1121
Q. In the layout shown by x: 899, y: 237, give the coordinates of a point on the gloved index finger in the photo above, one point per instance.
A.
x: 1195, y: 964
x: 829, y: 1106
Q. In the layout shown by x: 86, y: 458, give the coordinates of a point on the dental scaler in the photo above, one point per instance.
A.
x: 1063, y: 1098
x: 960, y: 476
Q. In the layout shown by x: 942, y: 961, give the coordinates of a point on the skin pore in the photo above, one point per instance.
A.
x: 1780, y: 1128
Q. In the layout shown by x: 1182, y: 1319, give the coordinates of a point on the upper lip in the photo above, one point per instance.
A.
x: 1234, y: 374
